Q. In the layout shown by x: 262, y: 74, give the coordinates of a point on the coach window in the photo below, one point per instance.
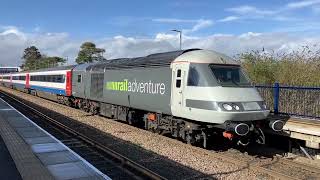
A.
x: 79, y: 78
x: 60, y: 78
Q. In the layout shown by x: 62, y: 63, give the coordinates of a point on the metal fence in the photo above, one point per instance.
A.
x: 292, y: 100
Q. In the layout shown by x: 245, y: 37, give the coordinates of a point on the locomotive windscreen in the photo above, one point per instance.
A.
x: 229, y: 75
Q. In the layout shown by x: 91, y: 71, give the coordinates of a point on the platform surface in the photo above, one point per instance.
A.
x: 8, y: 168
x: 37, y: 154
x: 305, y: 126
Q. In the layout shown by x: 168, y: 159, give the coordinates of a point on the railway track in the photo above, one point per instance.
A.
x: 278, y: 168
x: 113, y: 164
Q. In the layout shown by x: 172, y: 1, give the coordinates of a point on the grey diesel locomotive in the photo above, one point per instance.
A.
x: 191, y: 94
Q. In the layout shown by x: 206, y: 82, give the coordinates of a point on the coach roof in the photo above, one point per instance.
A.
x: 54, y: 68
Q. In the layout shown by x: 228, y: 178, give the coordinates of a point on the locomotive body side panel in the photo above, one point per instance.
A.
x: 141, y: 88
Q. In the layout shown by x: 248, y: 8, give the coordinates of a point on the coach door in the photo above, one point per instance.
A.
x: 27, y: 81
x: 178, y: 85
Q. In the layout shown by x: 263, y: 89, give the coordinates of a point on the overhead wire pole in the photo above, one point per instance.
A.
x: 180, y: 37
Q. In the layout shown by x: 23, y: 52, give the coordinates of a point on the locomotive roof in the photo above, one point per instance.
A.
x: 152, y: 60
x: 206, y: 56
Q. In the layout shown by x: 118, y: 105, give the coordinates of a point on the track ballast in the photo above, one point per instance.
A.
x: 111, y: 163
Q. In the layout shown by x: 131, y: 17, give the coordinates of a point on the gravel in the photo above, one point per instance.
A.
x: 169, y: 157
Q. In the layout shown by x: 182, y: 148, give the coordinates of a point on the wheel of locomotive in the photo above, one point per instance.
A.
x: 159, y: 131
x: 204, y: 139
x: 67, y: 102
x: 79, y: 104
x: 93, y: 109
x: 190, y: 139
x: 96, y: 110
x: 130, y: 117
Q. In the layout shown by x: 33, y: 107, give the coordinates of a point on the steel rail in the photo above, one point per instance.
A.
x: 260, y: 168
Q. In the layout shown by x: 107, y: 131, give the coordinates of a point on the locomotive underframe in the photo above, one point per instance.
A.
x: 189, y: 131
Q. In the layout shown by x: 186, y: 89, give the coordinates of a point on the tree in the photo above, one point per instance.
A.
x: 31, y: 58
x: 34, y: 60
x: 47, y: 62
x: 89, y: 53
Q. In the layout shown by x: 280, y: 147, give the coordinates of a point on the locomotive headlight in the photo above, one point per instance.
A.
x: 227, y: 107
x: 236, y: 107
x: 264, y: 106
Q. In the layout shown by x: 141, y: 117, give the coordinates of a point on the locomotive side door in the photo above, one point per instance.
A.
x: 178, y: 85
x: 78, y: 84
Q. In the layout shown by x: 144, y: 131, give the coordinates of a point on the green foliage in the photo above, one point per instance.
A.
x: 34, y: 60
x: 31, y: 58
x: 300, y: 67
x: 48, y: 62
x: 89, y: 53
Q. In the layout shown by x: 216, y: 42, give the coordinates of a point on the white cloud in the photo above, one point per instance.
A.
x: 13, y: 42
x: 249, y: 35
x: 282, y: 13
x: 197, y: 23
x: 174, y: 20
x: 229, y: 18
x: 165, y: 37
x: 201, y: 24
x: 302, y: 4
x: 246, y: 9
x: 60, y: 44
x: 12, y: 31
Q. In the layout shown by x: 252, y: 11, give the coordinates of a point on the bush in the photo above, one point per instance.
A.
x: 299, y: 68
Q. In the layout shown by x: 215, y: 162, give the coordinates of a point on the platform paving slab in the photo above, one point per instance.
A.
x: 8, y: 169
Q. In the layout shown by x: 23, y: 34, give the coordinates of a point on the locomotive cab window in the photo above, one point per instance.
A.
x: 178, y: 79
x: 229, y: 75
x: 179, y: 73
x: 178, y: 83
x: 79, y: 78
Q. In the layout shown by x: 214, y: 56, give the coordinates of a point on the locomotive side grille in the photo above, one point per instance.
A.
x: 96, y: 90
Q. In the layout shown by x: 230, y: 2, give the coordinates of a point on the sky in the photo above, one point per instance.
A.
x: 140, y: 27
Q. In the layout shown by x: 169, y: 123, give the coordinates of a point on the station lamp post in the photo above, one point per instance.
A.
x: 180, y: 37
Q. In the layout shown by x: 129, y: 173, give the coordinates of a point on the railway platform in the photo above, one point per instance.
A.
x: 303, y: 129
x: 29, y: 152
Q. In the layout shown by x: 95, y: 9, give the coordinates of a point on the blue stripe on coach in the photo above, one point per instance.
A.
x: 19, y: 85
x: 49, y: 90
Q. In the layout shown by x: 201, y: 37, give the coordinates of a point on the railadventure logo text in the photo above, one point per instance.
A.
x: 139, y: 87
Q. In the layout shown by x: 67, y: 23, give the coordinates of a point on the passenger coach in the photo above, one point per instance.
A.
x: 53, y: 83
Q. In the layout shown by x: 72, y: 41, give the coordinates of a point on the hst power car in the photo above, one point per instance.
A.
x: 191, y: 94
